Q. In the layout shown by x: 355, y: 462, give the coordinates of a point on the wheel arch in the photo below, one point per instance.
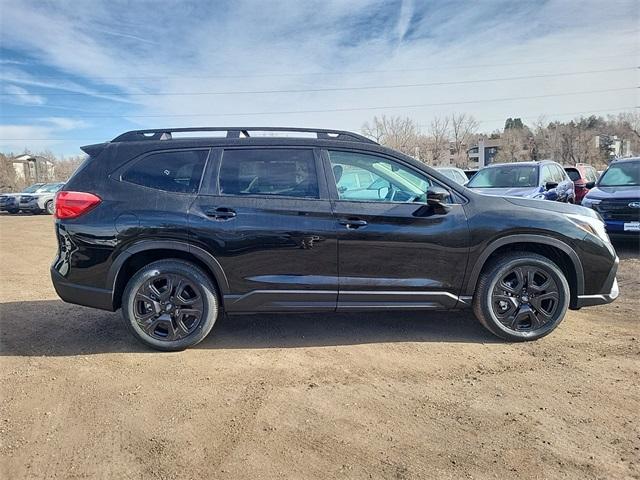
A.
x: 559, y: 252
x: 145, y: 252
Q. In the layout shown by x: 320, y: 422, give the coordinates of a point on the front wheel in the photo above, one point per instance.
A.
x: 170, y: 305
x: 521, y: 296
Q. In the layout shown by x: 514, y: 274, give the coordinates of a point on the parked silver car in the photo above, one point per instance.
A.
x: 454, y: 173
x: 40, y: 201
x: 9, y: 201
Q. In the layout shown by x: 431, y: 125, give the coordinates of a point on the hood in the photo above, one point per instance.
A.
x: 557, y: 207
x: 626, y: 191
x: 508, y: 191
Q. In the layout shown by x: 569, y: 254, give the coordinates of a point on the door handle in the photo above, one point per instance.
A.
x: 352, y: 223
x: 221, y: 213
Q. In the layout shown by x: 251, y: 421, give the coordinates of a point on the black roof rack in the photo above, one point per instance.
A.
x: 236, y: 132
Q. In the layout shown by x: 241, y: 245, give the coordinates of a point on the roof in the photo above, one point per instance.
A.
x: 625, y: 160
x: 526, y: 164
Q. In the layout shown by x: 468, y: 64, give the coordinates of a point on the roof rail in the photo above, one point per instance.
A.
x: 236, y: 132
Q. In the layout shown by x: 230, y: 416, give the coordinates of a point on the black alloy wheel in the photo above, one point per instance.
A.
x: 521, y: 296
x: 170, y: 304
x: 168, y: 307
x: 525, y: 298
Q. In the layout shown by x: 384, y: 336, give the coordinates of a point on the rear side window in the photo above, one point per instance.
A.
x: 177, y: 171
x: 574, y: 174
x: 262, y: 171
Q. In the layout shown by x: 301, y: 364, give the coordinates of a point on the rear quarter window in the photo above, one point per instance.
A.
x: 171, y: 171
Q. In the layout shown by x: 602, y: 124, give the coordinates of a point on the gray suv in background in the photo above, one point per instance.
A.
x: 42, y: 200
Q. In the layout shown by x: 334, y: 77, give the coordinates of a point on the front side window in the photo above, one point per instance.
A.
x: 177, y: 171
x: 269, y: 171
x: 547, y: 174
x: 364, y: 177
x: 506, y: 176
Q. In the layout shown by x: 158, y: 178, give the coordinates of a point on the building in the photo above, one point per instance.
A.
x: 33, y: 168
x: 484, y: 152
x: 618, y: 147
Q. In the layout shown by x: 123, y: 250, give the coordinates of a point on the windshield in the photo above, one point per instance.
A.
x: 507, y: 176
x: 52, y: 187
x: 620, y: 175
x: 33, y: 188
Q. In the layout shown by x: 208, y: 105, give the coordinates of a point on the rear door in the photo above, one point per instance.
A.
x: 264, y: 214
x: 394, y: 250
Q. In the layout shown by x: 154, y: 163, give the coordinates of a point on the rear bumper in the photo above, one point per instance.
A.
x: 81, y: 294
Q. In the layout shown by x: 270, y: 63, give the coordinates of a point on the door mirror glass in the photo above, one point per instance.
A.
x: 550, y: 185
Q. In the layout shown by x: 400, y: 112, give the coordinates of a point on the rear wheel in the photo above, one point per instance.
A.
x: 170, y: 305
x: 521, y: 296
x: 48, y: 207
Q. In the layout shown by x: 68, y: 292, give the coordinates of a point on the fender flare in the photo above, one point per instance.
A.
x: 146, y: 245
x: 525, y: 238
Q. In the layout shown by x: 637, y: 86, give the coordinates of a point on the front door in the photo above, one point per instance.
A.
x: 394, y: 250
x: 268, y: 223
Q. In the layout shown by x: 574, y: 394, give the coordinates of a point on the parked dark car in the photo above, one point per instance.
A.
x: 175, y: 231
x: 616, y: 197
x: 9, y: 202
x: 544, y: 180
x: 581, y: 174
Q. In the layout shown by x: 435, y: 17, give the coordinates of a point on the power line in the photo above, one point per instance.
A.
x: 330, y: 89
x: 352, y: 72
x: 337, y: 110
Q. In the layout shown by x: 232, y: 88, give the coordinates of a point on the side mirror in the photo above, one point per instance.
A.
x: 590, y: 185
x: 550, y: 185
x: 436, y: 197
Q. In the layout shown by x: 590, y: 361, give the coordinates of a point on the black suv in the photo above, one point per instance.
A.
x: 176, y: 231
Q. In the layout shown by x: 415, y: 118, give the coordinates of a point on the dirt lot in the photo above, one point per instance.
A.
x: 342, y: 396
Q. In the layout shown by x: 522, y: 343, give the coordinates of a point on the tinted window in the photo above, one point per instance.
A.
x: 505, y: 176
x: 574, y: 174
x: 178, y: 171
x: 284, y: 172
x: 378, y: 179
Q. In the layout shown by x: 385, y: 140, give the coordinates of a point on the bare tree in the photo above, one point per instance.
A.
x: 463, y: 127
x: 436, y: 143
x: 400, y: 133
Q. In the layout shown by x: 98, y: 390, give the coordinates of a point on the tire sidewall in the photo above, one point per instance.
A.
x: 563, y: 288
x: 205, y: 289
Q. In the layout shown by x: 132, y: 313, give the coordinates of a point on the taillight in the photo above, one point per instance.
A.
x: 74, y: 204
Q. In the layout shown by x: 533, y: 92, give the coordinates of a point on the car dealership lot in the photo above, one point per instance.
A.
x: 390, y: 395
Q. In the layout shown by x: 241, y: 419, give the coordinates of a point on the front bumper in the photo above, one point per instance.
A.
x: 611, y: 291
x: 616, y: 228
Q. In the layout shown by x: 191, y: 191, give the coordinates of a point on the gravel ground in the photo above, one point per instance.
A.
x: 394, y: 395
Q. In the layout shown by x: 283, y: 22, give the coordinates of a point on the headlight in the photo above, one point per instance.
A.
x: 590, y: 202
x: 591, y: 225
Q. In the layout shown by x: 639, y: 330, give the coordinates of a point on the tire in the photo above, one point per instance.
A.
x: 48, y: 207
x: 171, y: 287
x: 521, y: 306
x: 14, y: 211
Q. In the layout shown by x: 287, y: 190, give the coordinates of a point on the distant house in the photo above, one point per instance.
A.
x: 484, y: 152
x: 33, y: 168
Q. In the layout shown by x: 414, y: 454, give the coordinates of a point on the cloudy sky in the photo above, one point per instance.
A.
x: 78, y: 72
